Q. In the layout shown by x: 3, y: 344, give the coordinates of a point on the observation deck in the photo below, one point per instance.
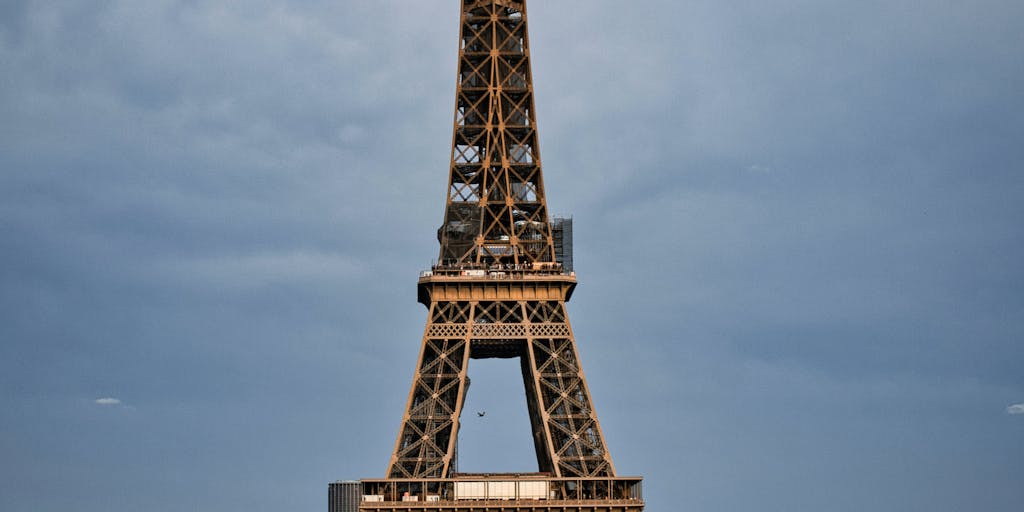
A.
x: 536, y: 281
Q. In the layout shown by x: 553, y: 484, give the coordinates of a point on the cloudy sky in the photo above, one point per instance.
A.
x: 799, y: 235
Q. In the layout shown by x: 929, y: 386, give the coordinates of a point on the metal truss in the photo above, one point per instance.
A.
x: 566, y: 432
x: 496, y: 211
x: 499, y: 290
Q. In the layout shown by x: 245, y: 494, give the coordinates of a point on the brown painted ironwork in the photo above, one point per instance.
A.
x: 499, y: 290
x: 500, y: 313
x: 496, y: 212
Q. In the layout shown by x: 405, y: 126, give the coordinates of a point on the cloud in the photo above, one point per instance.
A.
x: 1015, y: 409
x: 759, y: 168
x: 265, y: 268
x: 227, y: 192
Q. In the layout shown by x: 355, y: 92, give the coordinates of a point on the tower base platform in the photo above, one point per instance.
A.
x: 502, y: 493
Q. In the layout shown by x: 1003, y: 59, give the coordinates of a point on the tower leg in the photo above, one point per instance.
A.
x: 559, y: 398
x: 566, y: 433
x: 426, y: 442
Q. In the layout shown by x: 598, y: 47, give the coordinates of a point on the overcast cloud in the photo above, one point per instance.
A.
x: 798, y: 239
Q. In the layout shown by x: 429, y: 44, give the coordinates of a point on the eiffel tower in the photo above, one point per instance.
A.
x: 498, y: 290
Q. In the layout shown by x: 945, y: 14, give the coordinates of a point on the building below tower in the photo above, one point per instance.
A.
x: 344, y: 496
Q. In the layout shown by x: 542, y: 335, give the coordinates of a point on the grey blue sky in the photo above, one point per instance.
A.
x: 799, y: 234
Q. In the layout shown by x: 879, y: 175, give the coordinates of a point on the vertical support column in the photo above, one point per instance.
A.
x: 543, y: 444
x: 426, y: 441
x: 575, y: 444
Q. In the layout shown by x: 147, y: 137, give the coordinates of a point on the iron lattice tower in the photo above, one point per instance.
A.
x: 499, y: 289
x: 496, y: 212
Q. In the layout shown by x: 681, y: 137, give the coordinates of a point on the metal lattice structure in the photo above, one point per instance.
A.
x: 522, y: 316
x: 496, y: 211
x: 499, y: 290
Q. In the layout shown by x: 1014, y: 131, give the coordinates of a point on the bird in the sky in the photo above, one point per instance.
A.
x: 481, y: 413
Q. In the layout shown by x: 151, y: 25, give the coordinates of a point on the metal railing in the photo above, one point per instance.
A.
x: 505, y: 488
x: 500, y: 271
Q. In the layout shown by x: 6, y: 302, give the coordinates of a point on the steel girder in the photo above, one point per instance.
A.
x: 496, y: 211
x: 567, y: 435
